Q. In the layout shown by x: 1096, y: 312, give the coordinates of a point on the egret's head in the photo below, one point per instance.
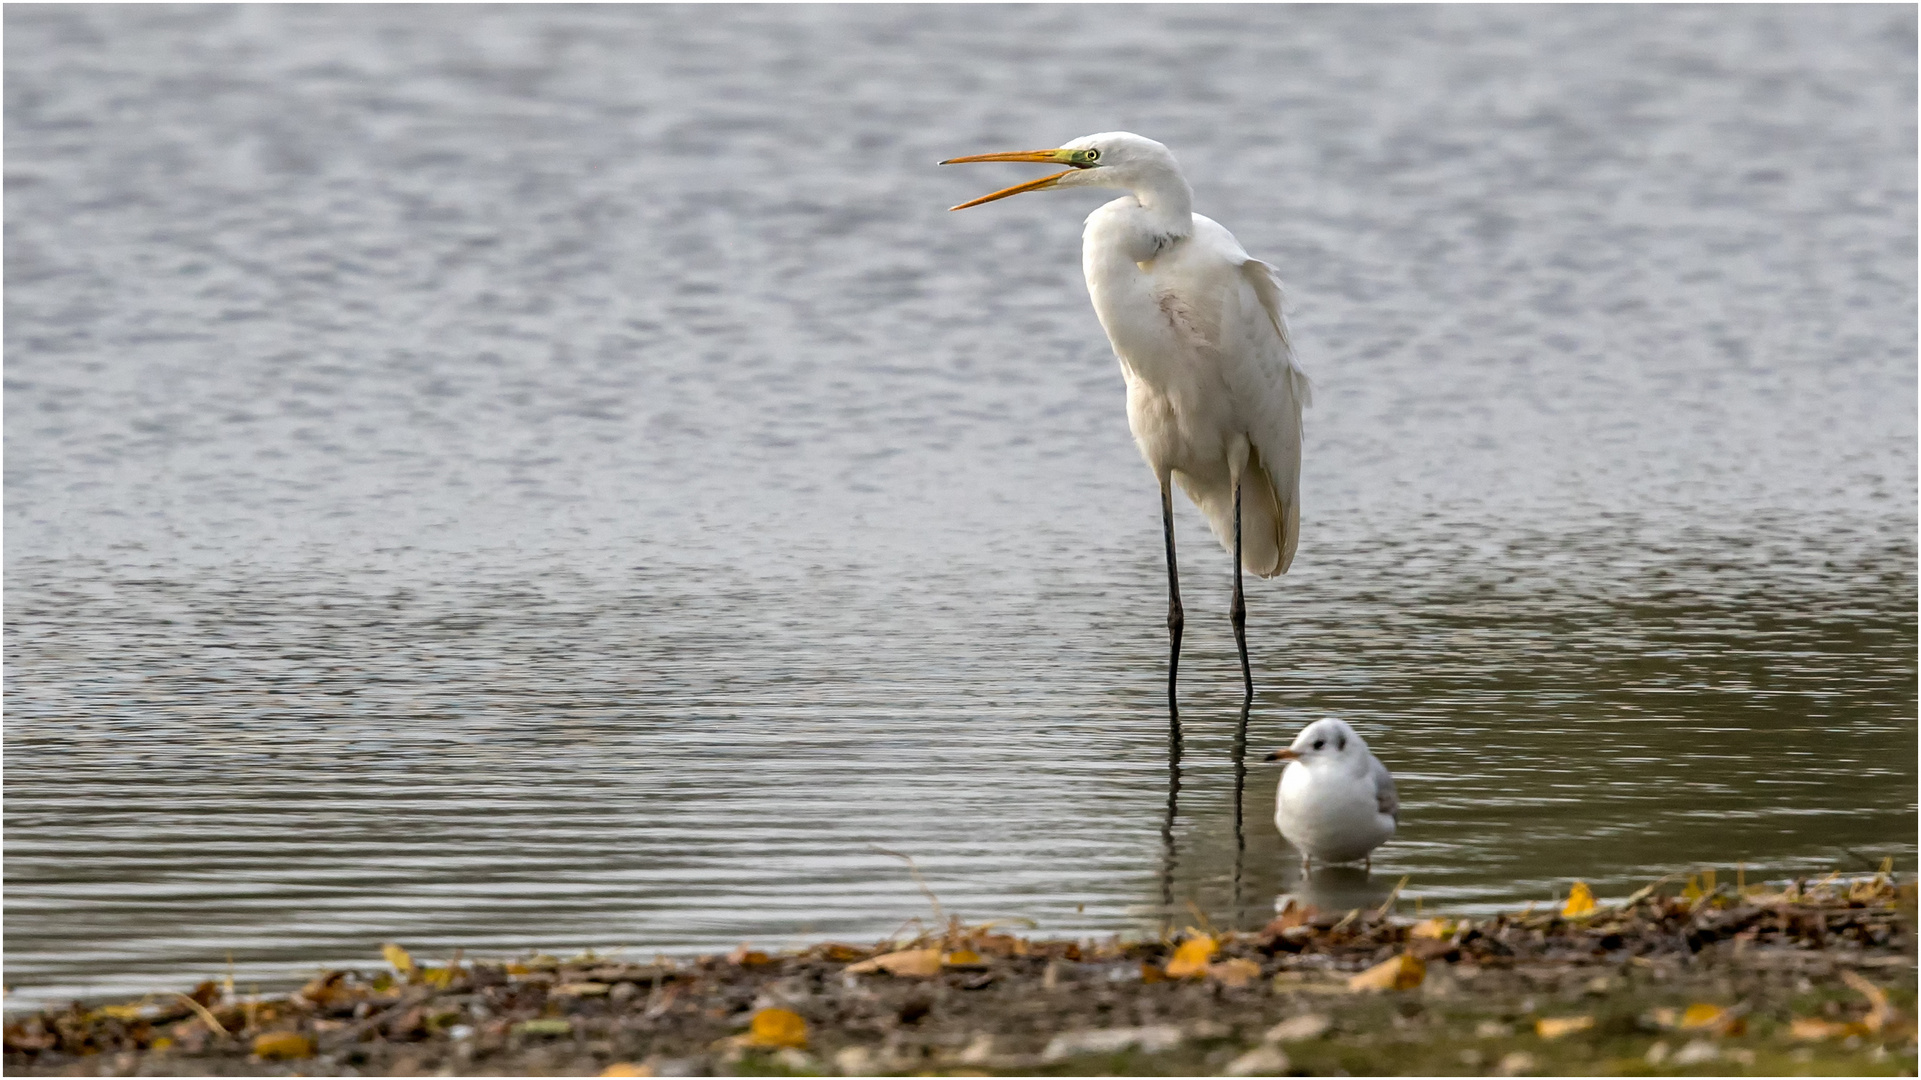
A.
x: 1323, y: 740
x: 1113, y: 159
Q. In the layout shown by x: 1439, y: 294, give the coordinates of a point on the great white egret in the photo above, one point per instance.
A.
x: 1213, y: 396
x: 1335, y: 801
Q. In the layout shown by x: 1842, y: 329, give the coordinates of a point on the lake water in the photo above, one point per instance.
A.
x: 558, y: 477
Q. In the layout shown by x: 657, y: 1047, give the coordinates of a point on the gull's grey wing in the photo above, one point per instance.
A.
x: 1384, y: 798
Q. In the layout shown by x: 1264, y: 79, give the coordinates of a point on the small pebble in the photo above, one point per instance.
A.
x: 1698, y: 1052
x: 1519, y: 1063
x: 1298, y: 1029
x: 1265, y: 1060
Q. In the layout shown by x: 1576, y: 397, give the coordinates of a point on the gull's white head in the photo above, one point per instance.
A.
x: 1324, y: 742
x: 1112, y: 159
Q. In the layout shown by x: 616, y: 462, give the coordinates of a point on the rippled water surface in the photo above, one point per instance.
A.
x: 557, y: 477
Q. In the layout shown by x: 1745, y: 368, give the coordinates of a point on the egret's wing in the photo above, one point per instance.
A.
x: 1384, y: 798
x: 1226, y: 308
x: 1274, y: 392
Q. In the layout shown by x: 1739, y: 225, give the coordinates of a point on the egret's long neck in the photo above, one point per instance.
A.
x: 1167, y: 202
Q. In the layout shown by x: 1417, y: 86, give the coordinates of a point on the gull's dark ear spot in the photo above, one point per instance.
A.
x: 1340, y: 742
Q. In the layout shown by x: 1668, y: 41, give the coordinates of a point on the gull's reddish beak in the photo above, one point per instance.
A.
x: 1283, y: 755
x: 1050, y: 157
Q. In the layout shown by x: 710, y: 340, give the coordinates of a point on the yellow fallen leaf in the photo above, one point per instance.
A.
x: 1190, y: 960
x: 1553, y: 1027
x: 442, y: 977
x: 1700, y: 1015
x: 777, y: 1029
x: 1580, y: 901
x: 907, y: 963
x: 120, y: 1012
x: 626, y: 1068
x: 1402, y: 972
x: 1235, y: 973
x: 398, y: 957
x: 1435, y: 929
x: 962, y: 958
x: 282, y: 1045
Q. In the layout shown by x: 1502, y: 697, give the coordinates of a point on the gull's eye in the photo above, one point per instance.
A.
x: 1318, y: 743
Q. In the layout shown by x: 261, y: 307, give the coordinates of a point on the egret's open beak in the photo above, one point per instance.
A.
x: 1050, y: 157
x: 1282, y: 755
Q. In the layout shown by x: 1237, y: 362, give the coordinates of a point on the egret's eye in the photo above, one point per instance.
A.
x: 1318, y: 743
x: 1090, y: 155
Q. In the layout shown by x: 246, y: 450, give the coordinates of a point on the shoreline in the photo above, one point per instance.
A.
x: 1817, y: 978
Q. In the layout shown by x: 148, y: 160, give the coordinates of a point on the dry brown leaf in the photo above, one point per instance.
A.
x: 282, y: 1045
x: 1234, y: 973
x: 1291, y: 916
x: 1402, y: 972
x: 1809, y: 1027
x: 1580, y: 901
x: 747, y: 957
x: 1190, y: 960
x: 777, y: 1029
x: 907, y: 963
x: 1553, y: 1027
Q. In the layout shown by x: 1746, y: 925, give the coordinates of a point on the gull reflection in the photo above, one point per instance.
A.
x: 1337, y: 888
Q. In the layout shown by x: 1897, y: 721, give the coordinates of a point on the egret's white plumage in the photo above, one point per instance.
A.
x: 1336, y: 801
x: 1213, y: 393
x: 1213, y: 396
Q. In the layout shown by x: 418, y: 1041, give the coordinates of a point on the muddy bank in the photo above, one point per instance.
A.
x: 1817, y: 978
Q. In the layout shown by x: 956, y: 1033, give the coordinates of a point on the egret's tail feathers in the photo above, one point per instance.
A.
x: 1270, y: 528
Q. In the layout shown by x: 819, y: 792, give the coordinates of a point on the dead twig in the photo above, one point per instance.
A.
x: 1388, y: 904
x: 418, y: 995
x: 940, y: 918
x: 206, y: 1017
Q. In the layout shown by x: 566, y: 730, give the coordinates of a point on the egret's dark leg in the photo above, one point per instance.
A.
x: 1175, y: 618
x: 1237, y: 613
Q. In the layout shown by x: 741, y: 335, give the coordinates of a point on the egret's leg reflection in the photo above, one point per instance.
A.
x: 1167, y: 823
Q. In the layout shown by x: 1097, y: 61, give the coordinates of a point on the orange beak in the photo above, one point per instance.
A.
x: 1283, y: 755
x: 1051, y: 157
